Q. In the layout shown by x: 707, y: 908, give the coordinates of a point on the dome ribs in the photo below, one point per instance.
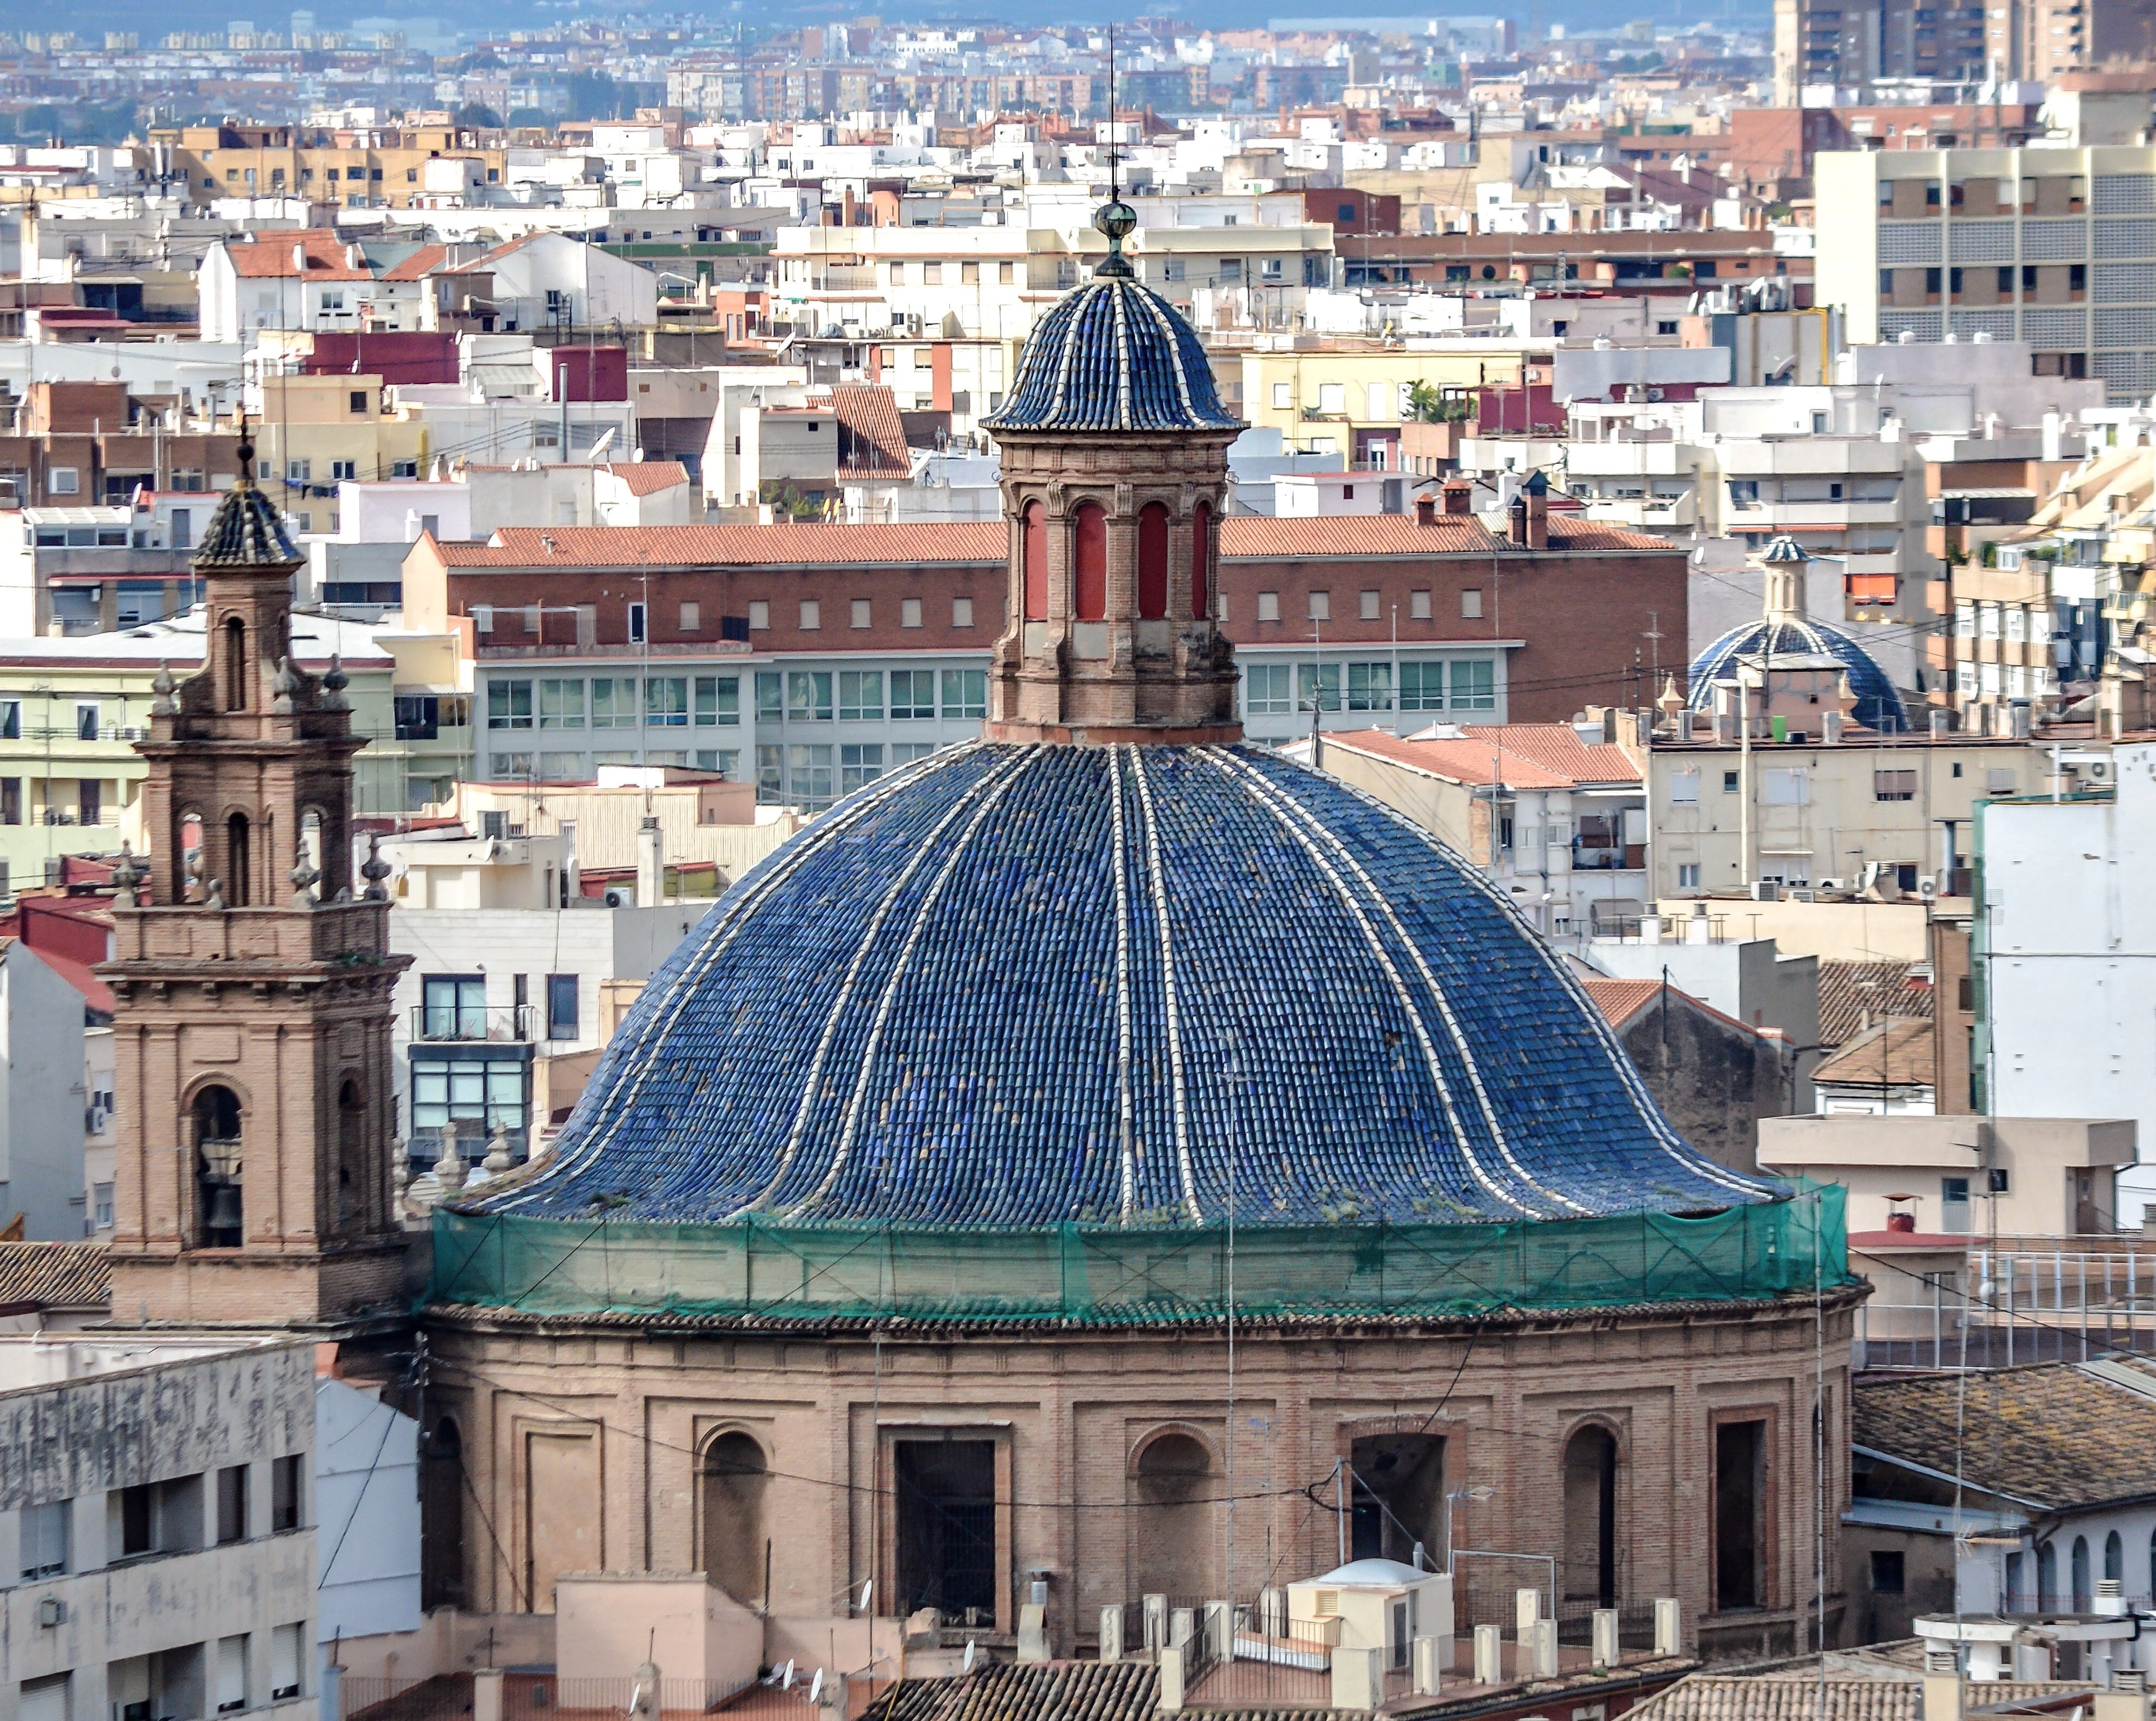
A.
x: 1011, y: 987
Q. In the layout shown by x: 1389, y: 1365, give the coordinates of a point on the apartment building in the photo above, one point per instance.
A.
x: 158, y: 1560
x: 817, y: 656
x: 1351, y: 397
x: 376, y: 168
x: 2055, y: 247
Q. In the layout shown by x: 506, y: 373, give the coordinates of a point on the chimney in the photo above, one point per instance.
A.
x: 650, y: 865
x: 1426, y: 511
x: 2020, y: 709
x: 1530, y: 514
x: 1459, y: 495
x: 1830, y: 728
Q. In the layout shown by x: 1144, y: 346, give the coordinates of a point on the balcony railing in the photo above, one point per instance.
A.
x: 498, y: 1024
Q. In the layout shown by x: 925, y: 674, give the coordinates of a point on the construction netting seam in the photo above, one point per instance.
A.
x: 1090, y: 1274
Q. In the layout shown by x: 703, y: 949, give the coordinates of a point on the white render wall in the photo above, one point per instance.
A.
x: 41, y: 1097
x: 2070, y: 991
x: 366, y: 1507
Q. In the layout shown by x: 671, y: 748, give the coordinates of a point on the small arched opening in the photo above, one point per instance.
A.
x: 235, y: 665
x: 2114, y: 1558
x: 219, y: 1211
x: 1153, y: 561
x: 442, y: 1518
x: 1033, y: 560
x: 1089, y: 598
x: 736, y: 1478
x: 239, y: 861
x: 1172, y: 1530
x: 2047, y: 1575
x: 352, y: 1178
x: 2084, y: 1591
x: 1590, y: 1517
x: 1201, y: 561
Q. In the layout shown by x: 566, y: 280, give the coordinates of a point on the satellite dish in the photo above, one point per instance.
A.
x: 867, y: 1591
x: 787, y: 1683
x: 816, y: 1687
x: 967, y: 1666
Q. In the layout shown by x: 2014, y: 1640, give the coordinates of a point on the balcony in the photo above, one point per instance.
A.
x: 472, y: 1025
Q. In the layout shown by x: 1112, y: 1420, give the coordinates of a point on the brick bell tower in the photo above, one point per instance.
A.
x: 253, y: 1027
x: 1114, y: 448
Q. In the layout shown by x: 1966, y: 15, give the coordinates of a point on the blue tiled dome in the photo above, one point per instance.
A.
x: 1014, y: 985
x: 1113, y: 356
x: 1878, y: 705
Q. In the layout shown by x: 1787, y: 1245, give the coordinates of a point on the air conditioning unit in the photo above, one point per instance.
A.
x: 2097, y: 770
x: 1928, y: 887
x: 1766, y: 889
x: 620, y: 899
x: 1833, y: 883
x: 1804, y: 896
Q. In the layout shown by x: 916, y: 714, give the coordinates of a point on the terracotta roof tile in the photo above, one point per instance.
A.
x: 1257, y: 535
x: 1557, y: 747
x: 2050, y: 1434
x: 1892, y: 1054
x: 75, y: 1275
x: 421, y: 264
x: 1528, y: 755
x: 872, y: 437
x: 1620, y: 1001
x: 1726, y: 1697
x: 1853, y: 992
x: 1097, y: 1691
x: 272, y: 258
x: 644, y: 478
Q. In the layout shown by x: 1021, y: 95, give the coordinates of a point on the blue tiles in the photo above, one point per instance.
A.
x: 1032, y: 985
x: 1113, y: 356
x: 1878, y: 705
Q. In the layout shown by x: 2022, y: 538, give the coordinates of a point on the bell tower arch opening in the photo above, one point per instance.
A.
x: 1590, y: 1517
x: 235, y: 663
x: 220, y: 1206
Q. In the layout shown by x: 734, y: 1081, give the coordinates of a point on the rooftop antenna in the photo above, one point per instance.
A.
x: 1115, y: 219
x: 1113, y: 193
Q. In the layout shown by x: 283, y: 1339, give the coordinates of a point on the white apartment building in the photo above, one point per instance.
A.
x: 45, y: 1107
x: 159, y: 1560
x: 2053, y: 246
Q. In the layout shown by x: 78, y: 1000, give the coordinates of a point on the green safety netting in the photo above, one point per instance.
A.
x: 780, y: 1271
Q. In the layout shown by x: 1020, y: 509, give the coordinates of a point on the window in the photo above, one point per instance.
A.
x: 1730, y: 782
x: 63, y: 480
x: 898, y: 275
x: 759, y: 615
x: 969, y: 275
x: 1785, y: 786
x: 1419, y: 607
x: 1006, y: 274
x: 961, y: 612
x: 1283, y: 395
x: 1474, y: 686
x: 85, y: 722
x: 1331, y: 396
x: 1965, y: 620
x: 666, y: 701
x: 285, y: 1659
x: 340, y: 471
x: 770, y: 775
x: 809, y: 776
x: 286, y: 1493
x: 1953, y: 1205
x: 298, y: 471
x: 718, y: 701
x: 1998, y: 779
x: 637, y: 632
x: 861, y: 696
x: 232, y: 1504
x: 561, y: 704
x: 43, y: 1533
x: 1265, y: 688
x: 1688, y: 875
x: 965, y: 693
x: 860, y: 617
x: 1684, y: 787
x: 11, y: 720
x: 908, y: 612
x: 692, y: 617
x: 560, y: 1006
x: 1369, y: 686
x: 1739, y: 1516
x: 1317, y: 686
x: 614, y: 702
x: 1893, y: 785
x: 912, y: 694
x: 1321, y: 606
x: 1367, y: 604
x: 859, y: 765
x: 770, y: 697
x: 1269, y: 606
x: 812, y: 615
x: 508, y: 705
x: 1471, y: 603
x: 1422, y: 686
x: 808, y: 695
x: 1886, y: 1571
x: 452, y: 1006
x: 230, y: 1674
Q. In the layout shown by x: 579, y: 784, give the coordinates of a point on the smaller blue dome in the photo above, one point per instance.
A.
x: 1113, y: 356
x: 1878, y: 705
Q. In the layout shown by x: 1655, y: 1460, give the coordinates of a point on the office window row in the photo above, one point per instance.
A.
x: 1461, y: 685
x: 611, y: 702
x: 812, y: 776
x: 182, y: 1514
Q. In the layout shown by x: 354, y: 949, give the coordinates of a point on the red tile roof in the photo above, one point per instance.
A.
x: 644, y: 478
x: 521, y: 547
x: 1620, y: 1001
x: 1528, y: 755
x: 1243, y: 538
x: 421, y: 264
x: 873, y: 437
x: 272, y: 258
